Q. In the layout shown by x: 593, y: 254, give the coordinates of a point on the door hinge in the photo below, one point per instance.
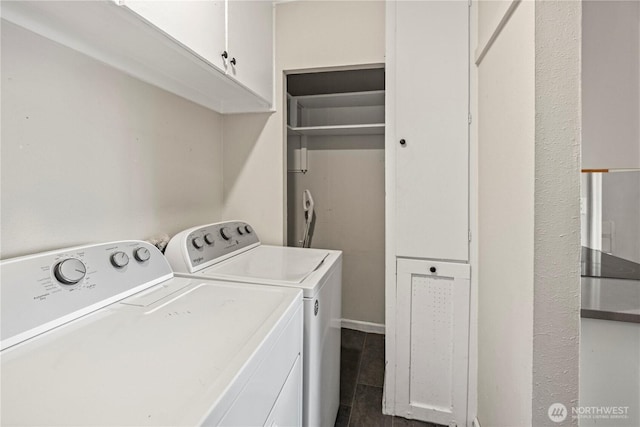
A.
x: 469, y: 118
x: 469, y: 235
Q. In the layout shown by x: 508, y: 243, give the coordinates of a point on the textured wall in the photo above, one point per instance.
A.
x: 556, y: 314
x: 90, y: 154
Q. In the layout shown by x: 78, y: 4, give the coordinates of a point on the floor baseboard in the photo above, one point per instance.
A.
x: 369, y: 327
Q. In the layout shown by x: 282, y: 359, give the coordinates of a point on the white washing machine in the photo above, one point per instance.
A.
x: 232, y: 251
x: 106, y: 335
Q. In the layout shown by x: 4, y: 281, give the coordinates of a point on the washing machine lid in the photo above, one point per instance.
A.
x: 163, y: 357
x: 273, y: 265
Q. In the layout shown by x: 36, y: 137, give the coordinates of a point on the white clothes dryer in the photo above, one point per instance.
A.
x: 232, y: 251
x: 106, y: 335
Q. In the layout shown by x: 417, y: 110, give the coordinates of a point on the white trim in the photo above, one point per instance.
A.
x: 369, y: 327
x: 389, y: 391
x: 485, y: 45
x: 472, y: 388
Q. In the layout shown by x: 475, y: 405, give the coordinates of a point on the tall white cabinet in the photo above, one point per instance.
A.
x: 431, y: 129
x: 427, y: 148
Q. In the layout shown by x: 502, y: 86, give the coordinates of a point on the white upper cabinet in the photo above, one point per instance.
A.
x: 236, y: 36
x: 198, y: 25
x: 430, y: 136
x: 250, y: 45
x: 175, y: 45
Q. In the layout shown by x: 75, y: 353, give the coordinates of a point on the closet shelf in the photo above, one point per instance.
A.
x: 349, y: 99
x: 366, y: 129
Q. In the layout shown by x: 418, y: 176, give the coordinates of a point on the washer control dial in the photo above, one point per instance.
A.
x: 247, y: 229
x: 142, y: 254
x: 197, y: 242
x: 119, y: 259
x: 225, y: 233
x: 241, y: 230
x: 70, y: 271
x: 209, y: 239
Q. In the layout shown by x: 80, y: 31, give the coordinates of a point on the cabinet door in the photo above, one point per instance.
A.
x: 432, y: 341
x: 431, y: 115
x: 250, y: 44
x: 198, y: 25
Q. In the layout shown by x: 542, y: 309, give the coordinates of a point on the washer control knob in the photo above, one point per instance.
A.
x: 225, y: 233
x: 70, y: 271
x: 142, y: 254
x: 248, y: 229
x: 197, y: 242
x: 119, y: 259
x: 209, y: 239
x: 241, y: 230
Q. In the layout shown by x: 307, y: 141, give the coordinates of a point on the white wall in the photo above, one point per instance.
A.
x: 528, y: 210
x: 621, y: 207
x: 609, y: 354
x: 506, y: 144
x: 309, y: 35
x: 346, y: 179
x: 611, y: 84
x: 90, y: 154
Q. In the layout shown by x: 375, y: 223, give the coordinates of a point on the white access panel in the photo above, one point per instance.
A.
x: 431, y: 111
x: 432, y: 341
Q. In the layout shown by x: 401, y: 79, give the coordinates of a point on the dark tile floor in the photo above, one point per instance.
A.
x: 361, y: 380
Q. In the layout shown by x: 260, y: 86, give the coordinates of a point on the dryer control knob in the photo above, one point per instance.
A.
x: 142, y: 254
x: 241, y: 230
x: 70, y: 271
x: 248, y: 229
x: 119, y: 259
x: 225, y: 233
x: 197, y: 242
x: 209, y: 239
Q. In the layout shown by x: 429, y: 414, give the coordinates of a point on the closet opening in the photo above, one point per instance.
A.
x: 335, y: 178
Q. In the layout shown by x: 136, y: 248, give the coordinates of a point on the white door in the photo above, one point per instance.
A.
x: 432, y: 105
x: 432, y: 333
x: 250, y: 45
x: 199, y: 25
